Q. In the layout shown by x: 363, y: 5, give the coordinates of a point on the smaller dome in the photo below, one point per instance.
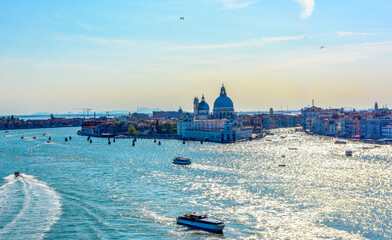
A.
x: 203, y: 106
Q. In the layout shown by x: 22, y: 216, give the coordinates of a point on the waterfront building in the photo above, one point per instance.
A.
x: 308, y: 113
x: 222, y: 125
x: 168, y: 114
x: 387, y: 131
x: 349, y: 127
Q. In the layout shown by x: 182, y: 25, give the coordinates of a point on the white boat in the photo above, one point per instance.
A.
x: 201, y: 222
x: 182, y: 161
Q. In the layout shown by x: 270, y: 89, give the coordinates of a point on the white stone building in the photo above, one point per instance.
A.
x: 223, y: 125
x: 386, y: 131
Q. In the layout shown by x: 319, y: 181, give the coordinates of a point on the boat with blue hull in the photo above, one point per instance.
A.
x: 201, y: 222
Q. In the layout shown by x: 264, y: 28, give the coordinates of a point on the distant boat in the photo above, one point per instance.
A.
x: 349, y: 153
x: 201, y: 222
x: 23, y: 137
x: 293, y: 148
x: 44, y: 134
x: 269, y: 140
x: 35, y: 137
x: 283, y: 136
x: 340, y: 142
x: 182, y: 161
x: 282, y: 165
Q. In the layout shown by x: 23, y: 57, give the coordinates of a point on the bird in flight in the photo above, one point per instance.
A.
x: 182, y: 18
x: 322, y: 47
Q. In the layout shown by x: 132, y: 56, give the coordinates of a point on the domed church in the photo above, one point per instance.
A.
x: 223, y: 107
x: 222, y: 125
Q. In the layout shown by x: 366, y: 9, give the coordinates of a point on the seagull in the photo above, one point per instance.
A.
x: 182, y: 18
x: 322, y: 47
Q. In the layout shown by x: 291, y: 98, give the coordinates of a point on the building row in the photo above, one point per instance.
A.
x: 335, y: 122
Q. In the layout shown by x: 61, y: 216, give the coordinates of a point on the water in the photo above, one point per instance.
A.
x: 78, y: 190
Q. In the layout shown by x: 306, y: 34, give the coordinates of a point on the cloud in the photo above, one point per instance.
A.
x: 101, y: 41
x: 235, y: 4
x: 8, y: 60
x: 344, y: 34
x: 307, y: 7
x: 248, y: 43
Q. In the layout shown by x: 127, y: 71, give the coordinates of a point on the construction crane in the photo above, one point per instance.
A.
x: 85, y: 110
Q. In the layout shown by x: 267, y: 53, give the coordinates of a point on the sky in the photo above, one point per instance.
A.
x: 58, y: 56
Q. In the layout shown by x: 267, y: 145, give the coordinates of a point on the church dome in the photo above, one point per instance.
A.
x: 203, y: 106
x: 223, y: 101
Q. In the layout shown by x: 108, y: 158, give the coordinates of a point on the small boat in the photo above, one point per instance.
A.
x: 44, y: 134
x: 340, y: 142
x: 282, y: 165
x: 293, y: 148
x: 269, y: 140
x: 35, y: 137
x: 283, y: 156
x: 182, y: 161
x: 349, y: 153
x: 201, y: 222
x: 283, y: 136
x: 23, y: 137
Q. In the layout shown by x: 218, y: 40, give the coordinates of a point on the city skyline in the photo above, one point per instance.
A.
x: 58, y: 56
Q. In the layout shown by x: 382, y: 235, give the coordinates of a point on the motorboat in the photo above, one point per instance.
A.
x: 349, y: 153
x: 340, y: 142
x: 23, y: 137
x: 293, y: 148
x: 201, y: 222
x: 182, y: 161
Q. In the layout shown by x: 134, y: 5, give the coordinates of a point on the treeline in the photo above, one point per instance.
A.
x: 164, y: 128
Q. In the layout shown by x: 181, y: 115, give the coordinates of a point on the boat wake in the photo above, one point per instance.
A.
x: 39, y: 145
x: 28, y: 208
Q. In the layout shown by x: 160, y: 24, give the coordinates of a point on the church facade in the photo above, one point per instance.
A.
x: 222, y: 125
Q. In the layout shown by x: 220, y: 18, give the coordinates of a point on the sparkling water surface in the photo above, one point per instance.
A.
x: 78, y: 190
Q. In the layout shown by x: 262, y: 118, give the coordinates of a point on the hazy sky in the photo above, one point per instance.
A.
x: 56, y: 56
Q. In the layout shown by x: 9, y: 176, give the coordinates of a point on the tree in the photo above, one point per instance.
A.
x: 167, y: 128
x: 131, y: 129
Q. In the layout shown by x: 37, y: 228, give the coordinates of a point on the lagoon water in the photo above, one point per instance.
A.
x: 78, y: 190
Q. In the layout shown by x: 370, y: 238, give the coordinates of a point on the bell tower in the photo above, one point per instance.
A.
x: 195, y: 105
